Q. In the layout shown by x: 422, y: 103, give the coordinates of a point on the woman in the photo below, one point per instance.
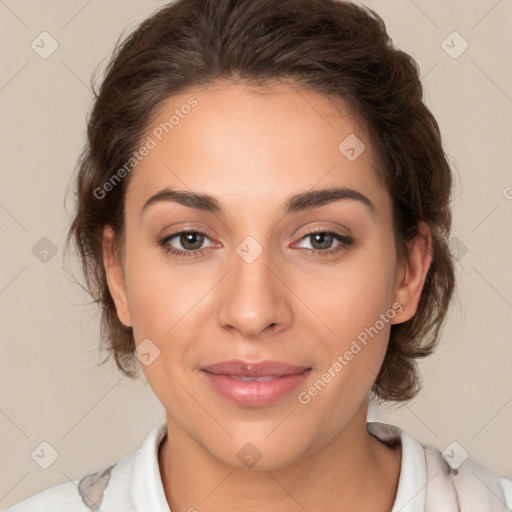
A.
x: 263, y: 209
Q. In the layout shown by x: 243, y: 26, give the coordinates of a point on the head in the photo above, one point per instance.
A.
x: 291, y: 137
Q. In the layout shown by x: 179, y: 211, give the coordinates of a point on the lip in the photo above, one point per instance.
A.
x: 252, y: 369
x: 280, y: 379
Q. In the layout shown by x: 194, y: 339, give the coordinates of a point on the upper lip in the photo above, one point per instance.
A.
x: 243, y: 368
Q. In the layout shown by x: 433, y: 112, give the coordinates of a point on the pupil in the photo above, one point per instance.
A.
x: 189, y: 237
x: 326, y: 239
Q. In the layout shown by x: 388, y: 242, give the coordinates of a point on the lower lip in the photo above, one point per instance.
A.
x: 254, y: 393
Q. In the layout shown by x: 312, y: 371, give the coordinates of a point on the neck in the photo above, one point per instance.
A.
x: 353, y: 472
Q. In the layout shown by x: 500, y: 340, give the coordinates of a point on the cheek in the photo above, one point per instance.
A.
x: 160, y: 293
x: 164, y: 304
x: 152, y: 299
x: 357, y: 306
x: 351, y: 296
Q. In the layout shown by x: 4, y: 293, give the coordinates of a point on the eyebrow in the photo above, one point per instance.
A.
x: 296, y: 203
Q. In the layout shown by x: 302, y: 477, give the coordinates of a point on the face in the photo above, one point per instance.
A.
x: 270, y: 268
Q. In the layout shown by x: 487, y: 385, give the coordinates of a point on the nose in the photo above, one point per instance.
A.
x: 254, y: 298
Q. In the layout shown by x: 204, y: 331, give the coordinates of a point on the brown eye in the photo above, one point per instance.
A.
x: 189, y: 243
x: 191, y: 240
x: 322, y: 242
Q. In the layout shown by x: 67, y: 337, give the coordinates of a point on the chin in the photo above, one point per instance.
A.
x: 260, y: 452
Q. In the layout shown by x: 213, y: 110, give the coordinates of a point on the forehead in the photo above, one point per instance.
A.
x: 242, y: 143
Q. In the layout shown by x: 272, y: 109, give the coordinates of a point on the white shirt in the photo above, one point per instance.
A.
x: 134, y: 483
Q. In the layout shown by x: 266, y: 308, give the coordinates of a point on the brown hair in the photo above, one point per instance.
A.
x: 332, y: 47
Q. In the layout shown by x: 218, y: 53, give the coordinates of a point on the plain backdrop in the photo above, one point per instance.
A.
x: 51, y: 389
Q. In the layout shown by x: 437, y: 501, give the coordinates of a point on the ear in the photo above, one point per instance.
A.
x: 115, y: 276
x: 411, y: 276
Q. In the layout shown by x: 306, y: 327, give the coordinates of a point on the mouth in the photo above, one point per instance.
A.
x: 254, y: 384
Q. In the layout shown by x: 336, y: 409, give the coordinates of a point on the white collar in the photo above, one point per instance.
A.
x: 147, y: 487
x: 412, y: 483
x: 148, y: 492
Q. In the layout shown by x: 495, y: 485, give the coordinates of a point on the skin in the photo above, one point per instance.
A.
x: 252, y: 150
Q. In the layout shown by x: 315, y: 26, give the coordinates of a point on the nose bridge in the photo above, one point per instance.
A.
x: 252, y: 297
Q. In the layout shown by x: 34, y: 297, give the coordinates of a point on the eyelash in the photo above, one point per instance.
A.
x: 345, y: 242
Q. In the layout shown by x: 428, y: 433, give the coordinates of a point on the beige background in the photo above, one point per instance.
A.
x: 51, y: 391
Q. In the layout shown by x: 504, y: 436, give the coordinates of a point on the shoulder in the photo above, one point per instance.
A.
x: 431, y: 480
x: 472, y: 485
x: 102, y: 490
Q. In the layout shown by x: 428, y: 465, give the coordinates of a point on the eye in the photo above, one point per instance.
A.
x: 190, y: 240
x: 322, y: 240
